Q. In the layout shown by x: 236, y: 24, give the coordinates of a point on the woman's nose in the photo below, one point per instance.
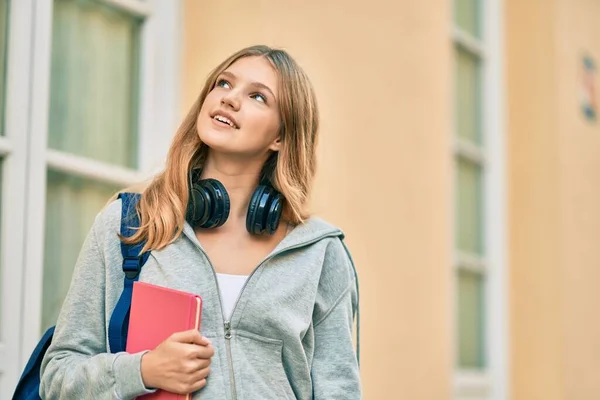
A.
x: 231, y: 99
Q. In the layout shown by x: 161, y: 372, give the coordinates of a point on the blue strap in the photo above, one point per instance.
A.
x: 133, y: 262
x: 29, y: 383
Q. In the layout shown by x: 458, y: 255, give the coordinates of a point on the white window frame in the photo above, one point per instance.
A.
x: 13, y: 147
x: 493, y: 382
x: 27, y: 107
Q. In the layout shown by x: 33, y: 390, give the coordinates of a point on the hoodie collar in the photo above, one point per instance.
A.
x: 312, y: 230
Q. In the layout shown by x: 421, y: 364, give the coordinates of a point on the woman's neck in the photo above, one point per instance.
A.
x: 240, y: 178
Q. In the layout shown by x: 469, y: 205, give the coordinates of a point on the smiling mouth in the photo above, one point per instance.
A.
x: 225, y: 121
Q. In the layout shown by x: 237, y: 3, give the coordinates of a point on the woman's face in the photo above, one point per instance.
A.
x: 240, y: 115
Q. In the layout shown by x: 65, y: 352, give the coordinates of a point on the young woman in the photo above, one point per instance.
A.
x: 278, y: 286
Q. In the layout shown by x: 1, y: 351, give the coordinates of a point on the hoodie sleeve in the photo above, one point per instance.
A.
x: 335, y: 373
x: 77, y: 364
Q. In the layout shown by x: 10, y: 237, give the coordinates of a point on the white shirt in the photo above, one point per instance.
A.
x: 230, y: 287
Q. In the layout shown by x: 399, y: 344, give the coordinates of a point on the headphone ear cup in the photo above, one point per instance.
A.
x: 274, y: 214
x: 198, y: 207
x: 264, y: 211
x: 253, y: 223
x: 218, y: 201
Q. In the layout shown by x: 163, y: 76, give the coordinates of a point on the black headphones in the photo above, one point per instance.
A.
x: 208, y: 205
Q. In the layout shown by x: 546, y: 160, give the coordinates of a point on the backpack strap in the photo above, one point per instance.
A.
x: 29, y: 383
x: 133, y: 262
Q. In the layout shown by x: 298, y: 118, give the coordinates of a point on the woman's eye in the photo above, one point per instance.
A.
x: 259, y: 97
x: 223, y: 83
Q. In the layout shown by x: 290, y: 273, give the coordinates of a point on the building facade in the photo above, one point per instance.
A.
x: 459, y: 151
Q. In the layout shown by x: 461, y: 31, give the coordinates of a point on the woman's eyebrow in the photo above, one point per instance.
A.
x: 255, y: 84
x: 263, y: 86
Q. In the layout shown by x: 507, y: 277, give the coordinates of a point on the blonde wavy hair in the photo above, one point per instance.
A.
x: 163, y: 203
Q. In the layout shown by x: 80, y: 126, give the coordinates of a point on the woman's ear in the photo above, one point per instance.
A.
x: 276, y: 145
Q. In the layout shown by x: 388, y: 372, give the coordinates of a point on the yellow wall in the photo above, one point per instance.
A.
x: 578, y: 33
x: 535, y: 268
x: 383, y: 77
x: 555, y: 198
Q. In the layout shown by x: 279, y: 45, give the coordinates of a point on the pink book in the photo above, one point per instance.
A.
x: 156, y: 313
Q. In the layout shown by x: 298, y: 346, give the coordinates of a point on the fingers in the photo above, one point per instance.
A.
x: 201, y: 340
x: 193, y: 366
x: 198, y: 385
x: 192, y: 351
x: 205, y: 352
x: 202, y: 364
x: 194, y: 380
x: 198, y: 379
x: 201, y: 374
x: 188, y: 388
x: 197, y: 371
x: 192, y: 336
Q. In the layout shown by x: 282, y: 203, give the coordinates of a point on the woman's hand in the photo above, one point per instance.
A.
x: 180, y: 364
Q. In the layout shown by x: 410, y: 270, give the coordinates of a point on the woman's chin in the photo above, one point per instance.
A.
x: 225, y: 144
x: 218, y: 145
x: 215, y: 139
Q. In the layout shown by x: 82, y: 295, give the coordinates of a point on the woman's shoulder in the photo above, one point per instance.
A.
x: 337, y: 258
x: 338, y: 275
x: 315, y: 221
x: 315, y: 227
x: 108, y: 219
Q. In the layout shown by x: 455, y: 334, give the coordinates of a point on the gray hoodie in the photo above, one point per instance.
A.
x: 289, y: 336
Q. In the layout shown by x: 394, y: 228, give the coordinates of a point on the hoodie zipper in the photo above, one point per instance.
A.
x: 229, y: 358
x: 227, y: 323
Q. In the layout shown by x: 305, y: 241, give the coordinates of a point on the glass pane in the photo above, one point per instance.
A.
x: 467, y: 16
x: 469, y: 203
x: 468, y: 96
x: 72, y: 204
x: 94, y: 81
x: 4, y: 7
x: 471, y: 320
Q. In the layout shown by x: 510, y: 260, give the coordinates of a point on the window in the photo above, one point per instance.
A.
x: 94, y: 89
x: 480, y: 300
x: 13, y: 141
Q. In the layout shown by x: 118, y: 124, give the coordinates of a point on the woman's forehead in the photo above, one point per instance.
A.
x: 255, y: 70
